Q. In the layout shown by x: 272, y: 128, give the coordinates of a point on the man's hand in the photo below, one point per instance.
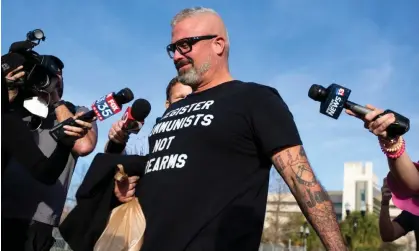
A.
x: 78, y: 131
x: 116, y: 134
x: 292, y: 164
x: 125, y: 189
x: 386, y: 193
x: 15, y: 74
x: 377, y: 127
x: 12, y: 77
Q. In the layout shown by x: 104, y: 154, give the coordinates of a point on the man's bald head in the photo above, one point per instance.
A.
x: 206, y: 14
x: 200, y: 45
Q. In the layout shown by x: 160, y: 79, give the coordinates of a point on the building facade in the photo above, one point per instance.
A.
x: 360, y: 192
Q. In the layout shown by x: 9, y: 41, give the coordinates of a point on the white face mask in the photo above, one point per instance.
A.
x: 36, y: 106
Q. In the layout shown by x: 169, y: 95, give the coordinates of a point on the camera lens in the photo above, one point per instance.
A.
x: 37, y: 34
x: 39, y: 78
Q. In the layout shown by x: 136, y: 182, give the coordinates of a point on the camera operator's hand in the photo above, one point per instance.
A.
x: 116, y: 134
x: 379, y: 126
x: 78, y: 131
x: 11, y: 77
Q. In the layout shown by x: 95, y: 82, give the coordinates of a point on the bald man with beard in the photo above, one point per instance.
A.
x: 206, y: 182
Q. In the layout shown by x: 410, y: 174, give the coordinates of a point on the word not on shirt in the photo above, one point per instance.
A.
x: 176, y: 160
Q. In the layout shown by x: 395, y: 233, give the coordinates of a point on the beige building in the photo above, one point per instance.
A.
x: 360, y: 191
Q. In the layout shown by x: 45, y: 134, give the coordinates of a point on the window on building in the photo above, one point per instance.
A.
x: 363, y: 195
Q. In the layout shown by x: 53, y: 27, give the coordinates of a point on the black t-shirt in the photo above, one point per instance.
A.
x: 206, y: 182
x: 409, y: 222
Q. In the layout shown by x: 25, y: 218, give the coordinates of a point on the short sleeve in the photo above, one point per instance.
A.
x: 406, y: 221
x: 272, y: 121
x: 81, y: 109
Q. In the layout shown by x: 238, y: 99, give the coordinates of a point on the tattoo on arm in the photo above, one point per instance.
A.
x: 293, y: 166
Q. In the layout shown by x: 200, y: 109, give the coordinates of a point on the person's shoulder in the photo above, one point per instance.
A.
x: 75, y: 108
x: 256, y: 89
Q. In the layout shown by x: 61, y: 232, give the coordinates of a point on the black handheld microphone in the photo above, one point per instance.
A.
x: 133, y: 120
x: 102, y: 108
x: 334, y: 99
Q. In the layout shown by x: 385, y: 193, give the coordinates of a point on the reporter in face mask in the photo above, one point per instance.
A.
x: 18, y: 142
x: 30, y: 209
x: 401, y: 165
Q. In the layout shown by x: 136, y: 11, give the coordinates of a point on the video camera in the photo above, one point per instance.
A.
x: 40, y: 70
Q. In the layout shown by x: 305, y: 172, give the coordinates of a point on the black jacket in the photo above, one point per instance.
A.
x: 95, y: 199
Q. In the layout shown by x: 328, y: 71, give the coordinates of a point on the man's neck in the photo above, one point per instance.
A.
x: 221, y: 78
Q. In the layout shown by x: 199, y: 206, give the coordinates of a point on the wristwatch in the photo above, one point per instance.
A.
x: 58, y: 103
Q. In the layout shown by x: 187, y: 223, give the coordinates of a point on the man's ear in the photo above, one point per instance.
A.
x: 167, y: 104
x: 219, y: 45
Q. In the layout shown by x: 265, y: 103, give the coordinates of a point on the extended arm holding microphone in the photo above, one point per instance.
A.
x: 402, y: 166
x: 102, y: 109
x: 131, y: 122
x: 334, y: 99
x: 388, y: 125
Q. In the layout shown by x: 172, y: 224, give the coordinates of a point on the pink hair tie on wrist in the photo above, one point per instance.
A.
x: 393, y: 152
x: 403, y: 198
x: 397, y: 154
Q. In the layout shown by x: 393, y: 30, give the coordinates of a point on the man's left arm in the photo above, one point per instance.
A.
x: 278, y: 137
x: 85, y: 145
x: 294, y: 167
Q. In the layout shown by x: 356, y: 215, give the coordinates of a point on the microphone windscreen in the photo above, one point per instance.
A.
x: 127, y: 95
x: 317, y: 93
x: 140, y: 109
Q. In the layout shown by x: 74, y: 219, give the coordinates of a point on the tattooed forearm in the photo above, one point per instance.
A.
x: 293, y: 165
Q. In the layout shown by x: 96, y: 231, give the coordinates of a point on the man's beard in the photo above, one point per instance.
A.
x: 193, y: 76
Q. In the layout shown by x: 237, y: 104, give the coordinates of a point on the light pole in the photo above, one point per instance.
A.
x: 347, y: 209
x: 355, y: 224
x: 304, y: 233
x: 363, y: 208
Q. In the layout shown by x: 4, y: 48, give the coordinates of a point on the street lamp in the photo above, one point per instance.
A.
x: 363, y: 208
x: 355, y: 224
x: 348, y: 208
x: 304, y: 233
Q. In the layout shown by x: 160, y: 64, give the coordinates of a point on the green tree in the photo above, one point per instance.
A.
x: 361, y: 232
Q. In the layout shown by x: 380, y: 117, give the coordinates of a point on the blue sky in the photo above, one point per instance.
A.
x: 371, y: 47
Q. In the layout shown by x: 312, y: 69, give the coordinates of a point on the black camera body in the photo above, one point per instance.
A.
x: 40, y: 70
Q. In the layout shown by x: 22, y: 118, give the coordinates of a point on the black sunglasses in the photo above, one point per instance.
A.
x: 184, y: 45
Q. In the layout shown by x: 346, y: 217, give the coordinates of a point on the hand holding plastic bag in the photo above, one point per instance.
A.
x: 126, y: 225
